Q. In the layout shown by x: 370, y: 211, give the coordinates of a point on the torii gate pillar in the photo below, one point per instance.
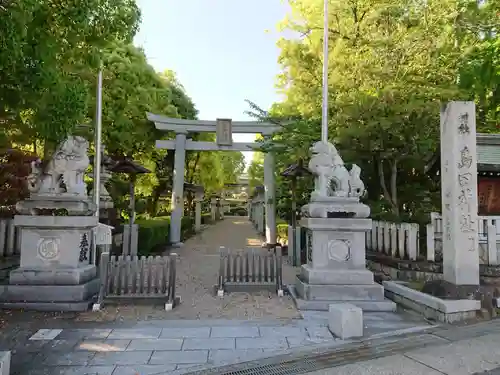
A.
x: 177, y: 203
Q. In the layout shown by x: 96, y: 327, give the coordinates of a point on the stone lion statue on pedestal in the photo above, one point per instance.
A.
x: 63, y: 174
x: 332, y: 179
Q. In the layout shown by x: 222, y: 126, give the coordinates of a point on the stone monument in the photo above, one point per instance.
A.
x: 55, y: 273
x: 336, y: 223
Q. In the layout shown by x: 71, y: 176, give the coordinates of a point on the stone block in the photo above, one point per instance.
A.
x: 53, y: 276
x: 345, y: 320
x: 374, y: 292
x: 50, y: 293
x: 431, y: 307
x: 337, y: 243
x: 48, y: 306
x: 323, y: 305
x: 5, y: 363
x: 54, y: 241
x: 335, y: 277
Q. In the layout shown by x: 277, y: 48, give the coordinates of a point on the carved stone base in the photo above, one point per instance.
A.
x: 51, y: 276
x: 336, y: 207
x: 52, y: 242
x: 50, y: 297
x: 336, y: 269
x: 73, y: 205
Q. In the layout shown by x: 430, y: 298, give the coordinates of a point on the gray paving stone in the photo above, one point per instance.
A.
x: 122, y: 358
x: 296, y: 342
x: 68, y: 359
x: 84, y: 334
x: 144, y: 370
x: 155, y: 344
x: 463, y: 357
x: 210, y: 343
x: 142, y: 333
x: 235, y: 331
x: 283, y: 331
x: 392, y: 365
x: 103, y: 345
x: 318, y: 332
x: 261, y: 343
x: 188, y: 332
x: 72, y: 370
x: 218, y: 357
x: 179, y: 357
x: 60, y: 345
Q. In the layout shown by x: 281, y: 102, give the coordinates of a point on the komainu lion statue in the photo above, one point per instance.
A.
x: 64, y: 171
x: 332, y: 177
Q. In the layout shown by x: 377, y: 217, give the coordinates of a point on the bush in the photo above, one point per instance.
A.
x: 206, y: 218
x: 154, y: 232
x: 153, y: 235
x: 238, y: 211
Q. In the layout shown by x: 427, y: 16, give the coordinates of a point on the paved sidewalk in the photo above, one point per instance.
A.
x: 463, y: 357
x: 175, y: 347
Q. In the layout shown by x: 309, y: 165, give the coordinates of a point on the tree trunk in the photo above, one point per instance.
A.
x: 390, y: 194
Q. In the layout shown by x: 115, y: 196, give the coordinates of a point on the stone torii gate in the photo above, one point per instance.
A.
x: 224, y: 129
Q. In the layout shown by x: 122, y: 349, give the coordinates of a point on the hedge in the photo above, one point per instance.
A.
x: 154, y: 232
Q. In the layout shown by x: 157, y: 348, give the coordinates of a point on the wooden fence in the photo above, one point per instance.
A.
x: 137, y: 278
x: 250, y: 270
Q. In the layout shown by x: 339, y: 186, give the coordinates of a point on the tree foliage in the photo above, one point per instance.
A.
x: 391, y: 65
x: 50, y: 55
x: 49, y: 52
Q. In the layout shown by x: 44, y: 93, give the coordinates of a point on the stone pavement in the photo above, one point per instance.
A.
x: 476, y: 355
x: 180, y: 346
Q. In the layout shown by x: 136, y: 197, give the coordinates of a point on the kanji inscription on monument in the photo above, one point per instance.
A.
x: 224, y: 132
x: 459, y: 198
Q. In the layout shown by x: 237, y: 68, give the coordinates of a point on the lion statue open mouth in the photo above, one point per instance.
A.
x: 332, y: 177
x: 64, y: 171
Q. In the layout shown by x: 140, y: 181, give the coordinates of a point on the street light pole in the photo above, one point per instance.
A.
x: 324, y: 117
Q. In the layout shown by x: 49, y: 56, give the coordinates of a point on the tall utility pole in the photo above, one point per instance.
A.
x: 97, y: 160
x: 324, y: 117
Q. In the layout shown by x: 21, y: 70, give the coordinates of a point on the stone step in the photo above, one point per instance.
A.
x: 49, y: 306
x: 382, y: 305
x: 371, y: 292
x: 47, y: 293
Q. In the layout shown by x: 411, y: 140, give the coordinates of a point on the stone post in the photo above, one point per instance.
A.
x: 459, y: 193
x: 197, y: 218
x: 177, y: 204
x: 269, y: 198
x: 213, y: 208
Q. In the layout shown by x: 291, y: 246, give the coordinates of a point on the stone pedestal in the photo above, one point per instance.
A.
x: 336, y: 271
x: 54, y: 274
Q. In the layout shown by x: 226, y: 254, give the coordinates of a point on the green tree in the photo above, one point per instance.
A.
x: 49, y: 55
x: 391, y: 63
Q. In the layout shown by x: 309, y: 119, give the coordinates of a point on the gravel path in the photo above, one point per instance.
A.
x: 197, y: 273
